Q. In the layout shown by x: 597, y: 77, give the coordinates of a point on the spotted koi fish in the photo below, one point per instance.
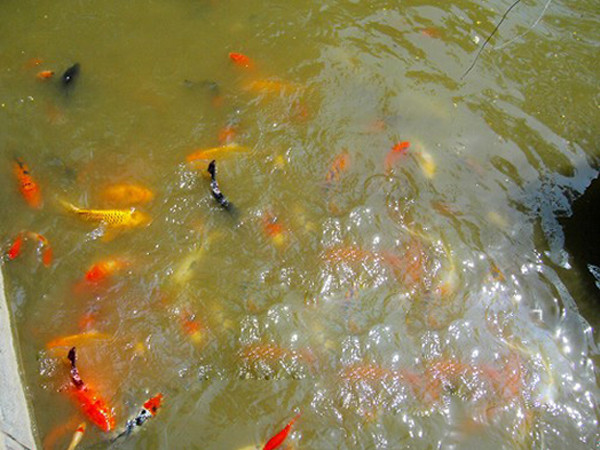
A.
x: 149, y: 410
x: 29, y: 189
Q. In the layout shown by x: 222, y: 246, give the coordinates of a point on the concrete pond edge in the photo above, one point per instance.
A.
x: 16, y: 425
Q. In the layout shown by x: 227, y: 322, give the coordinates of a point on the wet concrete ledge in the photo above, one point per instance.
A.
x: 16, y: 432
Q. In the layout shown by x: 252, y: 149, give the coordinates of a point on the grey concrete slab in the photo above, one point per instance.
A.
x: 16, y: 432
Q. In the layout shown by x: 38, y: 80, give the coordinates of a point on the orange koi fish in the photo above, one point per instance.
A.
x: 339, y: 165
x: 227, y: 134
x: 15, y: 248
x: 125, y: 194
x: 77, y: 340
x: 192, y: 327
x: 397, y: 152
x: 148, y: 411
x: 45, y: 249
x: 241, y: 60
x: 218, y: 153
x: 273, y: 229
x: 101, y: 270
x: 77, y: 436
x: 45, y: 75
x: 27, y: 185
x: 93, y: 406
x: 278, y: 439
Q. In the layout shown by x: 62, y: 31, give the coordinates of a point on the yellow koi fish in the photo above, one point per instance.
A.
x: 217, y: 153
x: 112, y: 218
x: 78, y: 340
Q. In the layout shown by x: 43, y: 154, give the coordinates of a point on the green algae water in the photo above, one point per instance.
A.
x: 392, y: 268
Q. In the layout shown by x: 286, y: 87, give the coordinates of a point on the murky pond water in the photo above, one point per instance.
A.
x: 391, y: 267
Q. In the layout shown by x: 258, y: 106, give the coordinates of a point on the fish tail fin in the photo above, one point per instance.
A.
x: 68, y: 205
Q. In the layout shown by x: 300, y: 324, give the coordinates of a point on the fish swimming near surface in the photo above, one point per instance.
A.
x: 45, y: 75
x: 70, y: 75
x: 241, y: 60
x: 111, y: 218
x: 45, y: 251
x: 77, y: 340
x: 277, y: 440
x: 397, y: 152
x: 149, y: 410
x: 221, y: 152
x: 101, y: 270
x: 214, y: 187
x: 28, y: 187
x: 93, y: 406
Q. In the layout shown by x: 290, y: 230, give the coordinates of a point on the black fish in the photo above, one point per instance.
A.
x: 216, y: 192
x: 70, y: 74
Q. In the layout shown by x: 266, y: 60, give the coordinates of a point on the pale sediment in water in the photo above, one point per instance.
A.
x: 16, y: 430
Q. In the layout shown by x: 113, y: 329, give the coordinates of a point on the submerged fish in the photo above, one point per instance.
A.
x: 397, y: 152
x: 278, y: 439
x: 70, y: 74
x: 94, y: 407
x: 125, y: 194
x: 149, y: 410
x: 222, y: 152
x: 15, y: 248
x: 77, y: 340
x: 103, y: 269
x: 45, y: 75
x: 241, y: 60
x: 112, y: 218
x: 272, y: 87
x: 44, y: 250
x: 338, y: 166
x: 29, y: 189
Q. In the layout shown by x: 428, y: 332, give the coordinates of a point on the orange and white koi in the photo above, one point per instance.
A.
x: 30, y: 190
x: 94, y: 407
x: 111, y: 218
x: 77, y: 436
x: 241, y: 60
x: 149, y: 410
x: 397, y: 152
x: 277, y: 440
x: 44, y: 250
x: 125, y: 194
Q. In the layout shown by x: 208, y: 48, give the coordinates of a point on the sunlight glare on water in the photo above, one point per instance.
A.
x: 392, y: 267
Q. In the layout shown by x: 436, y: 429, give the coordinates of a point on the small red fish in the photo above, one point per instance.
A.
x: 397, y: 152
x: 278, y: 439
x: 101, y: 270
x: 93, y: 406
x: 15, y: 248
x: 45, y: 75
x: 27, y: 185
x: 241, y: 60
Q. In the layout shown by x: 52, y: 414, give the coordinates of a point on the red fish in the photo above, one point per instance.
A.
x: 278, y: 439
x: 15, y: 248
x: 397, y: 152
x: 274, y: 229
x: 93, y: 406
x: 27, y: 185
x: 101, y: 270
x: 241, y: 60
x: 45, y: 75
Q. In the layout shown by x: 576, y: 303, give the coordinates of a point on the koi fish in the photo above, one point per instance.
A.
x: 45, y: 249
x: 272, y: 87
x: 214, y: 187
x: 149, y: 410
x: 94, y: 407
x: 112, y: 218
x: 273, y: 229
x: 77, y: 340
x: 192, y: 327
x: 222, y: 152
x: 227, y: 134
x: 103, y: 269
x: 45, y: 75
x: 339, y: 165
x: 397, y: 151
x: 278, y: 439
x: 27, y: 185
x: 77, y: 436
x: 70, y: 74
x: 241, y: 60
x: 15, y: 248
x: 127, y: 194
x: 427, y: 163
